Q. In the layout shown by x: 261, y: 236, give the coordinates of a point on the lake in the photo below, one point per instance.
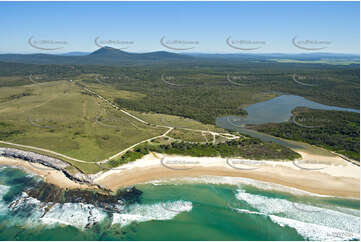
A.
x: 279, y: 109
x: 276, y: 110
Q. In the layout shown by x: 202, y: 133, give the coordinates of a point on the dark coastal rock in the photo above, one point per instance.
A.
x: 49, y: 193
x: 45, y: 192
x: 34, y: 158
x: 54, y: 163
x: 130, y: 194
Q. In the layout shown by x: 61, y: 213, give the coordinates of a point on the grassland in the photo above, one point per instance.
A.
x: 189, y: 136
x: 87, y: 168
x: 59, y: 116
x: 175, y: 121
x: 51, y: 112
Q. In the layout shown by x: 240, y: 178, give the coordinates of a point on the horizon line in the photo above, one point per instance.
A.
x: 187, y: 53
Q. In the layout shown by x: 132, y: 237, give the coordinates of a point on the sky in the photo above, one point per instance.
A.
x: 205, y: 27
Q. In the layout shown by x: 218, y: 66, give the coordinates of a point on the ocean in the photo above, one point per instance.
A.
x: 206, y: 208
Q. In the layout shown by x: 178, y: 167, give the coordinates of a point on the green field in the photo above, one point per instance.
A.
x: 51, y: 108
x: 190, y: 136
x: 60, y: 117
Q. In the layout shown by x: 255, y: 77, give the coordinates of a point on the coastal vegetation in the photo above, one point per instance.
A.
x: 333, y: 130
x: 245, y: 147
x: 48, y: 106
x: 203, y: 91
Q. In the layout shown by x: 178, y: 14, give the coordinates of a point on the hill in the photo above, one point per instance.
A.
x: 102, y: 56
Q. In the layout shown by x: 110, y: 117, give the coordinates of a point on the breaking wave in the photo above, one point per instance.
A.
x: 75, y: 214
x: 236, y: 181
x: 84, y: 216
x: 325, y: 224
x: 3, y: 190
x: 147, y: 212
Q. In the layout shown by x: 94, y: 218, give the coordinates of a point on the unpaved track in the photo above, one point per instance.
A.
x: 123, y: 151
x: 44, y: 150
x: 170, y: 128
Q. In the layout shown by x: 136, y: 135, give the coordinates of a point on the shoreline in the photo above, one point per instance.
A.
x: 340, y: 179
x: 49, y: 175
x: 331, y: 176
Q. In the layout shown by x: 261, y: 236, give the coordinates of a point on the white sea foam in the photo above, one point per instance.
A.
x: 3, y: 190
x: 24, y: 201
x: 76, y: 214
x: 26, y: 207
x: 309, y: 231
x: 306, y: 219
x: 147, y: 212
x: 236, y: 181
x: 312, y: 231
x: 247, y: 211
x: 85, y: 215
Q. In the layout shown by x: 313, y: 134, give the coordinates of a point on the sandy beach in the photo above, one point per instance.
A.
x: 331, y: 176
x: 336, y: 178
x: 51, y: 176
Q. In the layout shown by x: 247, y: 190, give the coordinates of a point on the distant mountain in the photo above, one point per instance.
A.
x: 108, y: 56
x: 102, y: 56
x: 108, y: 52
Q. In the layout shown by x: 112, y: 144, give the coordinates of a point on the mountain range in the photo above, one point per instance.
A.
x: 102, y: 56
x: 108, y: 56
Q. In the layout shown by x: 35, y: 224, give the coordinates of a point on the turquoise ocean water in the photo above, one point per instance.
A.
x: 207, y: 208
